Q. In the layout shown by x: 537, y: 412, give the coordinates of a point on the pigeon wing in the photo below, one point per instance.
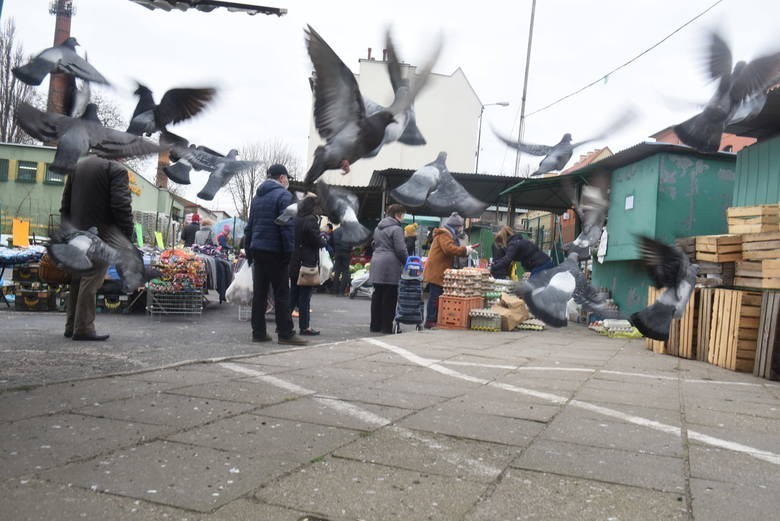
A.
x: 719, y: 62
x: 179, y: 104
x: 115, y: 144
x: 200, y: 159
x: 74, y: 64
x: 402, y: 103
x: 415, y: 190
x: 624, y: 118
x: 756, y: 77
x: 528, y: 148
x: 450, y: 194
x: 43, y: 126
x: 337, y: 99
x: 666, y: 265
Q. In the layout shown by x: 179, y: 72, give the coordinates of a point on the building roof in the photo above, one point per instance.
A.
x: 552, y: 193
x: 588, y: 158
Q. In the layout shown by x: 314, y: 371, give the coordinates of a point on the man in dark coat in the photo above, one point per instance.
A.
x: 269, y: 247
x: 525, y: 252
x: 190, y: 229
x: 341, y: 254
x: 96, y: 194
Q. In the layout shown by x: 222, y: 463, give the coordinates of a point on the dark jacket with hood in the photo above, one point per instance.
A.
x: 188, y: 233
x: 308, y: 239
x: 262, y: 234
x: 389, y: 253
x: 521, y: 250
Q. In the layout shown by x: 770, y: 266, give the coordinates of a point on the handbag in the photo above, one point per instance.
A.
x: 309, y: 276
x: 50, y: 273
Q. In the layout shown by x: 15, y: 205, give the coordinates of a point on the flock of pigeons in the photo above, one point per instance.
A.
x: 354, y: 127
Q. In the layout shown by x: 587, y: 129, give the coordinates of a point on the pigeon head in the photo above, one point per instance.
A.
x: 70, y: 42
x: 232, y: 154
x: 141, y: 90
x: 738, y: 68
x: 566, y: 137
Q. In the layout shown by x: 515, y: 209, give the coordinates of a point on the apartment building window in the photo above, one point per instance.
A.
x: 3, y: 170
x: 26, y: 171
x: 53, y: 178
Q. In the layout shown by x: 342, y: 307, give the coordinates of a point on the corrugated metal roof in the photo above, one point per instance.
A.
x: 764, y: 125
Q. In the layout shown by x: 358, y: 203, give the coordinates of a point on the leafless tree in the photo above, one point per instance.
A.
x: 12, y: 91
x: 243, y: 186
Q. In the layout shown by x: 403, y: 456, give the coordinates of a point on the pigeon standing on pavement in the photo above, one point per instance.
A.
x: 60, y: 58
x: 341, y: 207
x: 222, y: 168
x: 669, y: 268
x: 592, y: 212
x: 741, y: 94
x: 556, y: 156
x: 78, y: 136
x: 547, y: 292
x: 434, y: 185
x: 340, y: 114
x: 176, y: 105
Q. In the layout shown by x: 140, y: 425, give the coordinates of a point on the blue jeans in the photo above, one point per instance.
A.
x: 546, y: 266
x: 300, y: 297
x: 432, y: 308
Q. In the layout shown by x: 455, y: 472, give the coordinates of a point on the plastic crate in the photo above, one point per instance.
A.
x: 484, y: 320
x: 112, y: 303
x: 244, y: 313
x: 35, y: 300
x: 454, y: 311
x: 174, y: 303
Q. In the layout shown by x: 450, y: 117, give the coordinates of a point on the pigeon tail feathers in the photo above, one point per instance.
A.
x: 411, y: 135
x: 700, y: 132
x: 316, y: 169
x: 178, y: 173
x: 354, y: 233
x: 654, y: 321
x: 32, y: 73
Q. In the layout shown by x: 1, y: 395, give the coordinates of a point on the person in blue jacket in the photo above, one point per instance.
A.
x: 269, y: 247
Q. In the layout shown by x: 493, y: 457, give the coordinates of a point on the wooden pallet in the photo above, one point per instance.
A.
x: 718, y: 248
x: 763, y: 274
x: 760, y: 246
x: 734, y: 329
x: 704, y: 321
x: 753, y: 219
x: 656, y: 346
x: 767, y: 363
x: 682, y: 331
x: 713, y: 274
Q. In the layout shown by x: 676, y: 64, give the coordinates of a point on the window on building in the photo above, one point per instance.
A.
x: 3, y: 170
x: 26, y: 171
x: 53, y: 178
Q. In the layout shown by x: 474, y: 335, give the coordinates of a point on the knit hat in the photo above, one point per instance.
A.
x: 195, y: 218
x: 410, y: 230
x: 454, y: 220
x: 275, y: 171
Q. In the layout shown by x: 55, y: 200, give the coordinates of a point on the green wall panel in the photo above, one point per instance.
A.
x: 758, y: 174
x: 626, y: 281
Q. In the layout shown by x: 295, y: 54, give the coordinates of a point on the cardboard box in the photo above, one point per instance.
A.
x: 511, y: 301
x: 511, y: 318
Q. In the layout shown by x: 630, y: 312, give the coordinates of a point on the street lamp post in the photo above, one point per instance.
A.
x: 479, y: 132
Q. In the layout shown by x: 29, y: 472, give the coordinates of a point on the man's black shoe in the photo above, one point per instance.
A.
x: 68, y: 333
x: 266, y: 338
x: 94, y: 337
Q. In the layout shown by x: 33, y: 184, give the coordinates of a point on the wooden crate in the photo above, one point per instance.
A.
x: 760, y: 246
x: 703, y: 323
x: 753, y: 219
x: 714, y: 274
x: 688, y: 245
x: 682, y: 331
x: 718, y: 248
x: 767, y: 363
x: 763, y: 274
x: 656, y: 346
x: 734, y: 329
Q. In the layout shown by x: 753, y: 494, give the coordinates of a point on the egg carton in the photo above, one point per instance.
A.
x: 532, y: 324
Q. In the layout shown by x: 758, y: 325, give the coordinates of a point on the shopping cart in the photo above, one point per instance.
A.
x: 409, y: 309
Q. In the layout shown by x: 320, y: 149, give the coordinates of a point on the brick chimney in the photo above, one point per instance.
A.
x: 58, y: 84
x: 163, y: 160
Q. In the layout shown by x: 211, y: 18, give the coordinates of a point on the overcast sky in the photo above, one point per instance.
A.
x: 261, y: 67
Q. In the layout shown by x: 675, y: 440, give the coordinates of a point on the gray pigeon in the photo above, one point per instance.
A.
x: 78, y: 136
x: 668, y: 267
x: 547, y: 292
x: 404, y: 128
x: 741, y: 94
x: 341, y: 207
x: 60, y: 58
x: 434, y: 186
x: 592, y: 212
x: 222, y: 168
x: 176, y: 105
x: 340, y: 114
x: 556, y: 156
x: 179, y: 169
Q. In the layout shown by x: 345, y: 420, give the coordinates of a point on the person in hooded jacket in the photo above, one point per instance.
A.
x: 444, y: 249
x: 387, y: 261
x: 190, y: 229
x: 269, y: 247
x: 308, y: 241
x: 523, y: 251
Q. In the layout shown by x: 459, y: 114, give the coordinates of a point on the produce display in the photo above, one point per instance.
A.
x: 180, y: 271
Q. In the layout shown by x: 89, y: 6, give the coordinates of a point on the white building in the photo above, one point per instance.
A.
x: 447, y: 112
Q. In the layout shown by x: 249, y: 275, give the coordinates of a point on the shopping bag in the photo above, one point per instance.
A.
x: 309, y: 276
x: 240, y: 290
x: 326, y: 265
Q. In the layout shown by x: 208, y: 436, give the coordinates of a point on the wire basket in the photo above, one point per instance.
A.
x: 244, y: 313
x: 174, y: 303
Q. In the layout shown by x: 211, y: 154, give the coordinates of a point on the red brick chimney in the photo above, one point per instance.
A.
x: 58, y: 84
x: 163, y: 160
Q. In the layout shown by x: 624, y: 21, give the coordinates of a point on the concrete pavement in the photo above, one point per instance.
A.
x: 437, y: 425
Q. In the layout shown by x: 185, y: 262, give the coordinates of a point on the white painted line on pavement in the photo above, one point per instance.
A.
x: 370, y: 418
x: 560, y: 400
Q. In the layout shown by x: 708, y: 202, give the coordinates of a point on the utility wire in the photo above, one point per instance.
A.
x: 602, y: 78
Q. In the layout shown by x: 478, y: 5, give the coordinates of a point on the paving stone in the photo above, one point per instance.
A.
x: 726, y: 501
x: 174, y: 474
x: 353, y: 490
x: 711, y: 463
x: 268, y: 437
x: 38, y: 443
x: 250, y: 391
x: 184, y: 375
x: 524, y: 495
x: 252, y: 510
x: 730, y: 405
x: 167, y: 409
x: 431, y: 453
x: 615, y: 466
x: 372, y: 395
x: 335, y: 413
x: 497, y: 402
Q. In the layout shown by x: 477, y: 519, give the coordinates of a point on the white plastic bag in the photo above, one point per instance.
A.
x: 240, y: 290
x: 326, y: 265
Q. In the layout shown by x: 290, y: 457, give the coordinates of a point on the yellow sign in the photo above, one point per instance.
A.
x: 134, y: 188
x: 159, y: 237
x: 20, y: 231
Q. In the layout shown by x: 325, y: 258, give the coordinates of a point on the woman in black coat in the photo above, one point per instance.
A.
x: 306, y: 252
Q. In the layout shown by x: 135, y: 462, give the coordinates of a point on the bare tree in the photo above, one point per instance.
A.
x: 243, y: 186
x: 12, y: 91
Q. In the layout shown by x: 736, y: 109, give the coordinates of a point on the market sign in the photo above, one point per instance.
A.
x: 134, y: 187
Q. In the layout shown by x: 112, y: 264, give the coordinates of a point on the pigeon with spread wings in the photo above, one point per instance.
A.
x: 341, y: 207
x: 222, y: 168
x: 78, y: 136
x: 340, y: 114
x: 60, y: 58
x: 669, y: 268
x: 179, y: 169
x: 592, y: 212
x: 176, y: 105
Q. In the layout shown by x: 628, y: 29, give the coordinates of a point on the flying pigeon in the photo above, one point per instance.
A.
x: 547, y: 292
x: 668, y: 267
x: 592, y: 212
x: 741, y: 94
x: 556, y: 156
x: 341, y: 207
x: 222, y: 168
x: 434, y: 185
x: 404, y: 128
x: 176, y: 105
x: 77, y: 96
x: 291, y: 210
x: 179, y: 169
x: 60, y: 58
x: 78, y: 136
x: 340, y: 114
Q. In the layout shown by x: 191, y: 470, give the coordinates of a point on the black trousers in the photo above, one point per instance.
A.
x: 383, y: 303
x: 340, y: 273
x: 271, y: 269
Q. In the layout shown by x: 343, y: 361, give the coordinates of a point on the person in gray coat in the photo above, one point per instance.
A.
x: 386, y: 265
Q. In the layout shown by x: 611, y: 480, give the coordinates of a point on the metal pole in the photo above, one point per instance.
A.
x: 479, y: 138
x: 521, y: 127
